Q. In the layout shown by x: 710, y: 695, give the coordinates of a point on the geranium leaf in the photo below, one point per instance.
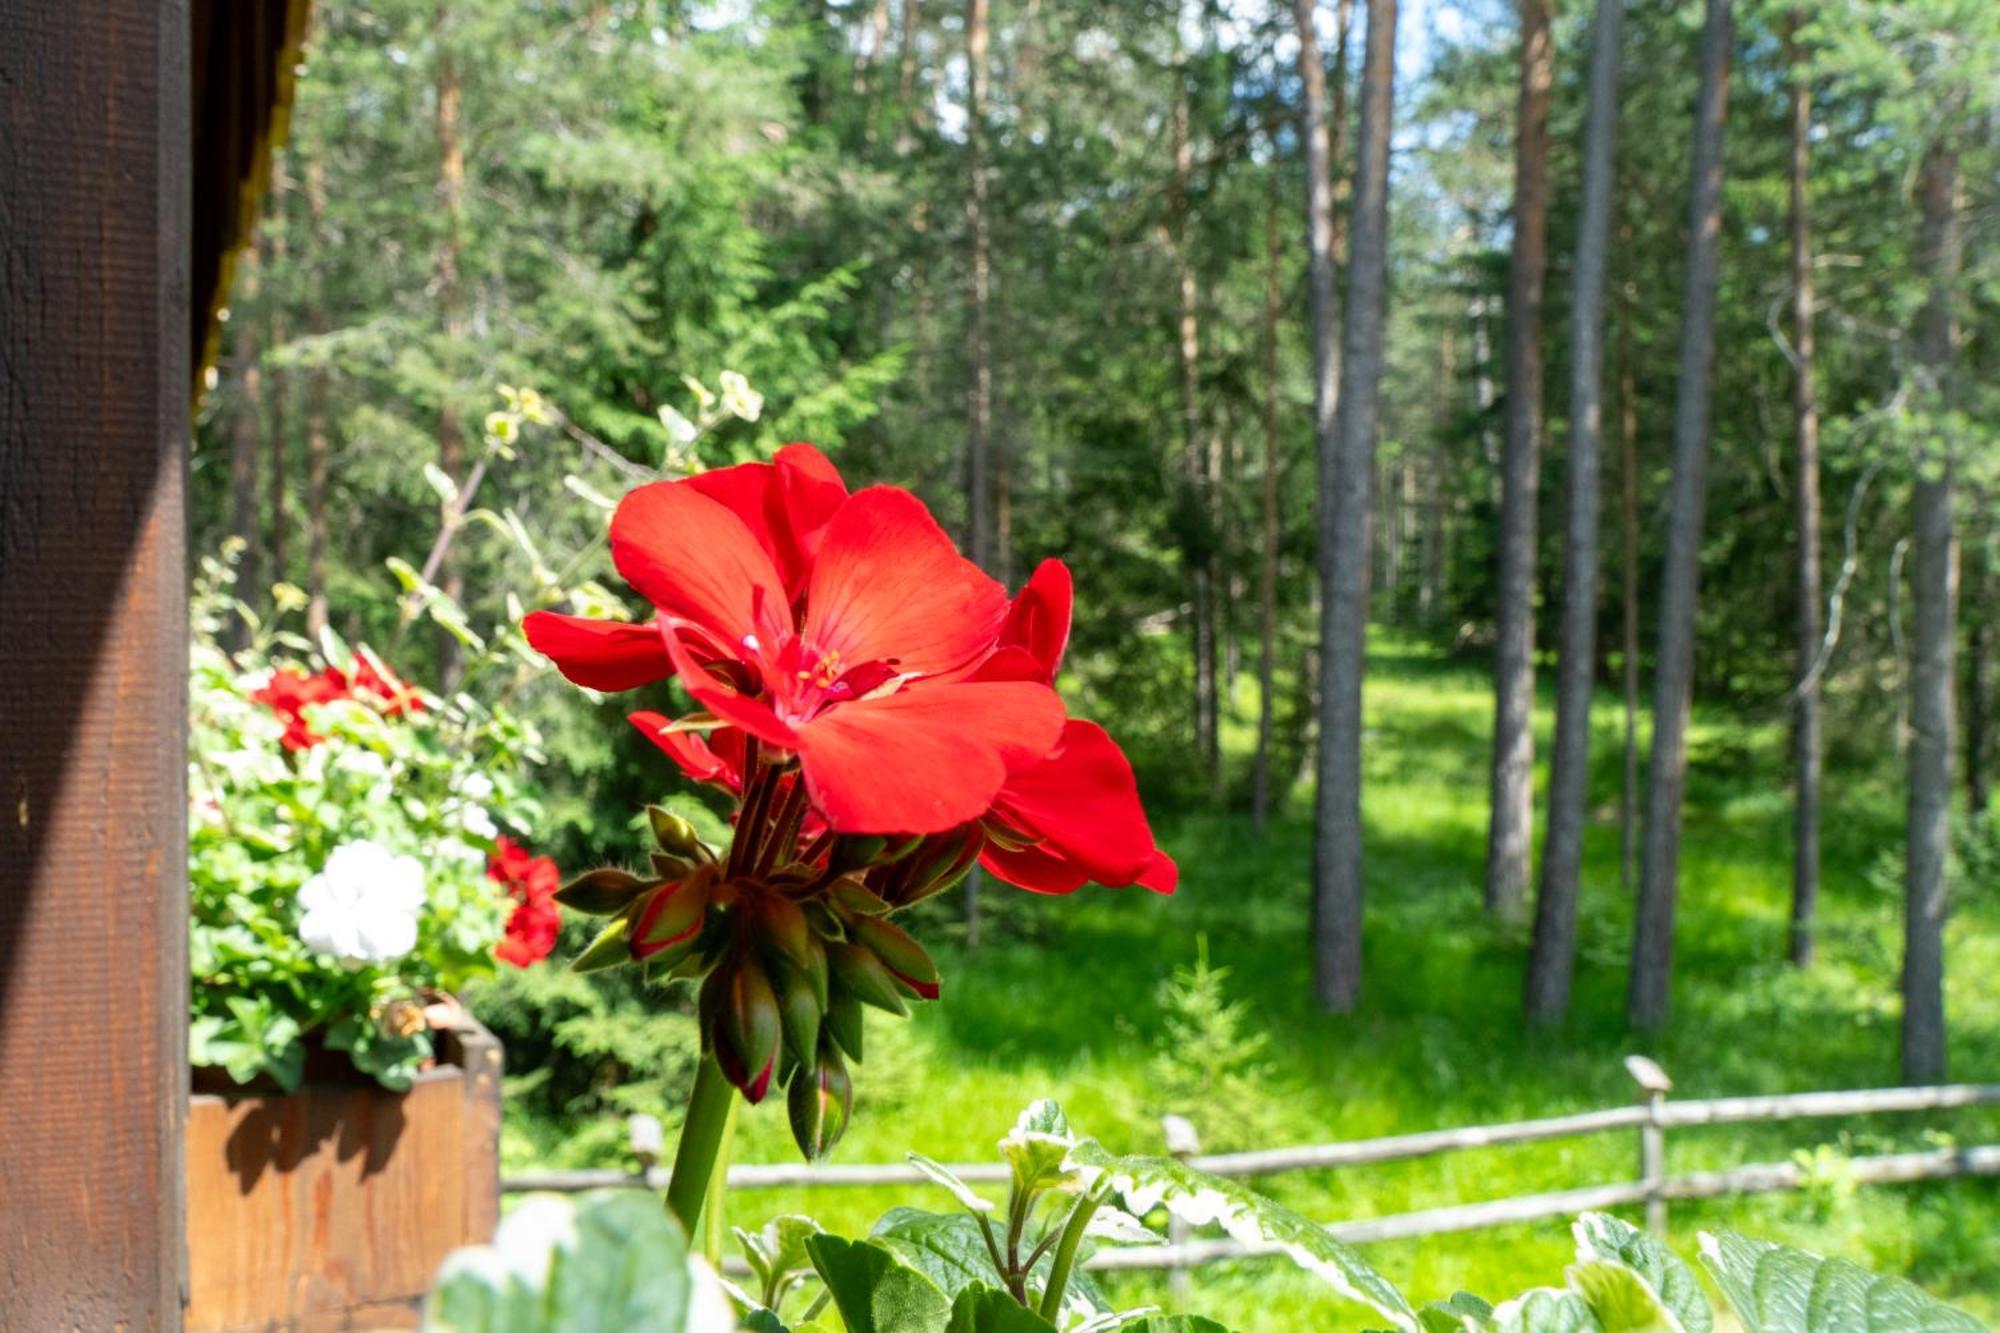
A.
x: 943, y: 1175
x: 1599, y: 1236
x: 950, y: 1249
x: 875, y: 1290
x: 1776, y: 1289
x: 986, y: 1310
x: 1544, y: 1310
x: 610, y: 1262
x: 1200, y: 1199
x: 1622, y: 1300
x: 1463, y: 1313
x: 1038, y: 1148
x: 1176, y: 1323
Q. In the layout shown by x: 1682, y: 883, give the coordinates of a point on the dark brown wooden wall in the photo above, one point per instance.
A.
x: 94, y: 379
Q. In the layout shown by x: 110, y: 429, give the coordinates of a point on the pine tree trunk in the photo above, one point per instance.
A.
x: 1806, y: 747
x: 451, y: 305
x: 319, y: 449
x: 979, y: 389
x: 1628, y: 469
x: 1934, y: 588
x: 1343, y: 535
x: 1197, y: 469
x: 1979, y: 646
x: 245, y: 439
x: 279, y: 482
x: 1553, y: 956
x: 1510, y: 830
x: 1430, y: 591
x: 1673, y: 676
x: 1267, y: 567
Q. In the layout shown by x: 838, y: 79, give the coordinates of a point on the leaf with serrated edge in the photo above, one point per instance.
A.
x: 875, y: 1291
x: 944, y: 1176
x: 1544, y: 1310
x: 988, y: 1310
x: 1622, y: 1300
x: 1201, y: 1200
x: 1120, y: 1228
x: 1038, y: 1148
x: 950, y: 1250
x: 1776, y: 1289
x: 1463, y: 1313
x: 1600, y: 1236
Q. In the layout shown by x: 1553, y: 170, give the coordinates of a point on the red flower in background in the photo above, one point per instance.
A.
x: 531, y: 881
x: 391, y: 695
x: 289, y: 691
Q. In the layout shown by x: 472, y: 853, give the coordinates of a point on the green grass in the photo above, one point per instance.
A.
x: 1064, y: 1003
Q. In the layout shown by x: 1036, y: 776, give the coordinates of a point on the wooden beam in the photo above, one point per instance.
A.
x: 94, y: 317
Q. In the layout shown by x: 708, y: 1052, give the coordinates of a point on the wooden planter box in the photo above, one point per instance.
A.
x: 330, y: 1208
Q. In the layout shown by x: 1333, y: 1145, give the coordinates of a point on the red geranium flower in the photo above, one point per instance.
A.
x: 532, y: 882
x: 289, y: 691
x: 1075, y: 817
x: 391, y: 695
x: 841, y: 639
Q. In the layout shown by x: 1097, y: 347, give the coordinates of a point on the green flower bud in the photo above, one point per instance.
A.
x: 672, y: 915
x: 609, y: 949
x: 783, y: 923
x: 862, y: 974
x: 854, y: 898
x: 901, y: 954
x: 747, y: 1025
x: 601, y: 892
x: 843, y: 1022
x: 852, y: 851
x: 819, y: 1103
x: 799, y: 1009
x: 676, y: 835
x: 667, y: 865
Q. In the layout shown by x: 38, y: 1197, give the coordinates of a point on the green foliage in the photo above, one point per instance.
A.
x: 1211, y: 1055
x: 423, y: 786
x: 607, y: 1264
x: 1774, y: 1289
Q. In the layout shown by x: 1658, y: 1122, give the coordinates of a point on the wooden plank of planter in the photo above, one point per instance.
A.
x: 94, y: 148
x: 332, y: 1207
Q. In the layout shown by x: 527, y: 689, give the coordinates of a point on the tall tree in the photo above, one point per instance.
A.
x: 1554, y: 952
x: 1934, y: 589
x: 1510, y: 830
x: 1806, y: 747
x: 1673, y: 676
x: 978, y: 296
x: 1268, y: 513
x: 450, y: 93
x: 1197, y: 466
x: 278, y: 486
x: 246, y: 433
x: 1343, y: 533
x: 319, y: 449
x: 1628, y: 495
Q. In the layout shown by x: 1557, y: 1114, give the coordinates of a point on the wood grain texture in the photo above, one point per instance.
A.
x: 94, y: 147
x: 332, y: 1207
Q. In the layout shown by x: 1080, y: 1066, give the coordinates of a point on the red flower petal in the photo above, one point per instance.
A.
x: 888, y: 586
x: 924, y: 759
x: 1039, y: 619
x: 694, y: 558
x: 1034, y: 868
x: 719, y: 760
x: 1083, y: 803
x: 723, y: 700
x: 599, y: 654
x: 785, y: 504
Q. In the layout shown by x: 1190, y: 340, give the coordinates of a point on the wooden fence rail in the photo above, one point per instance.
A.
x: 1653, y: 1115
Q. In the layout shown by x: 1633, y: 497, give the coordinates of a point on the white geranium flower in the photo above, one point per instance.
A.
x: 362, y: 906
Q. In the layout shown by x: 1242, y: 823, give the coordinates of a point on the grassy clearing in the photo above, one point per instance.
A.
x: 1065, y: 1003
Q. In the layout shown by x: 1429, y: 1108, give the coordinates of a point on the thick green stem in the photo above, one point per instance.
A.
x: 1072, y: 1238
x: 709, y: 1114
x: 714, y: 1226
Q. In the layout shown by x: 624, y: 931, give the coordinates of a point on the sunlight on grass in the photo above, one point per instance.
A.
x: 1063, y: 1000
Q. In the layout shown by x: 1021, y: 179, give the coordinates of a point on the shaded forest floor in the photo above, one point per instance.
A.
x: 1066, y: 999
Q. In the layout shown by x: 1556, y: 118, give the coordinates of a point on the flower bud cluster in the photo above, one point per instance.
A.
x: 786, y: 935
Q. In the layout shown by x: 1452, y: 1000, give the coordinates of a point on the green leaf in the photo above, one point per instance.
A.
x: 1544, y: 1310
x: 1622, y: 1300
x: 950, y: 1249
x: 1038, y: 1148
x: 607, y: 1263
x: 1200, y: 1199
x: 1463, y: 1313
x: 986, y: 1310
x: 1175, y: 1323
x: 761, y: 1321
x: 1599, y: 1236
x: 875, y: 1291
x: 943, y: 1175
x: 1776, y: 1289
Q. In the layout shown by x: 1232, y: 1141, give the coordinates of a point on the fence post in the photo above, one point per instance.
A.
x: 1654, y: 1085
x: 648, y: 1141
x: 1182, y: 1143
